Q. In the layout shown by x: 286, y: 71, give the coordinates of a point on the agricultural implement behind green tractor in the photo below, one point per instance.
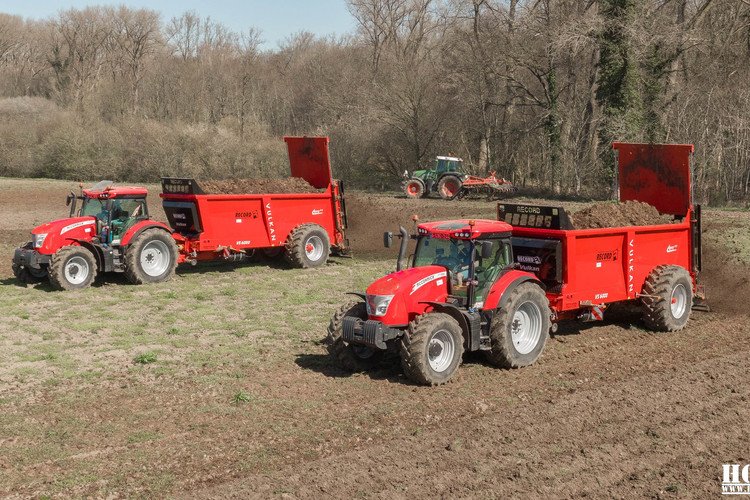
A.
x: 450, y: 181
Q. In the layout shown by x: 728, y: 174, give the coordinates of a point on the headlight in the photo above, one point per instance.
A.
x: 377, y: 305
x: 39, y: 239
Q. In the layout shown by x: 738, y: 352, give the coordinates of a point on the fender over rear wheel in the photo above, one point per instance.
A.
x: 151, y: 257
x: 432, y: 349
x: 349, y: 356
x: 667, y: 299
x: 307, y: 246
x: 519, y: 329
x: 72, y: 268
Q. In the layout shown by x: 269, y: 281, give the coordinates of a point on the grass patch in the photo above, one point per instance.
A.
x: 145, y: 358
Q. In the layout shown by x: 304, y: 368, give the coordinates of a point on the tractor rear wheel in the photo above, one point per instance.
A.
x: 449, y: 187
x: 432, y: 349
x: 26, y: 275
x: 414, y: 188
x: 72, y: 268
x: 151, y: 257
x: 307, y: 246
x: 349, y: 356
x: 519, y: 329
x: 667, y: 299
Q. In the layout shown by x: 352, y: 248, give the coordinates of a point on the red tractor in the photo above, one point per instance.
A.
x: 112, y: 231
x: 500, y: 286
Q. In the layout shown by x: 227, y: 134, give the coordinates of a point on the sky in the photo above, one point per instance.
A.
x: 277, y: 19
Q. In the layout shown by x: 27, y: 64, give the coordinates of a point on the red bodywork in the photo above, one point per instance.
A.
x: 229, y: 223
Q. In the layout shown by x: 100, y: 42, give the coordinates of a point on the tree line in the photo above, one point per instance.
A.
x: 535, y: 90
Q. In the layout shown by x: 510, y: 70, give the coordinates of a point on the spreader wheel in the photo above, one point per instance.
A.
x: 667, y: 299
x: 414, y: 188
x: 350, y: 357
x: 432, y: 349
x: 449, y: 187
x: 72, y: 268
x: 151, y: 257
x: 307, y: 246
x: 520, y: 328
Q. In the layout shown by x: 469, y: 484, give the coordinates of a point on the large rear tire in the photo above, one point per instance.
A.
x: 414, y: 188
x: 449, y: 187
x: 667, y: 299
x: 151, y: 257
x: 72, y: 268
x: 348, y: 356
x: 519, y: 330
x: 432, y: 349
x: 307, y: 246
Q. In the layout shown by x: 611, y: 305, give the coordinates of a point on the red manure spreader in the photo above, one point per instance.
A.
x: 112, y: 230
x: 501, y: 286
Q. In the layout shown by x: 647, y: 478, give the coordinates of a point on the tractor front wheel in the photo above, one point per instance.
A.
x: 432, y: 349
x: 519, y: 329
x: 349, y: 356
x: 667, y: 299
x: 307, y: 246
x: 414, y: 188
x: 151, y: 257
x: 449, y: 187
x: 72, y: 268
x: 25, y: 275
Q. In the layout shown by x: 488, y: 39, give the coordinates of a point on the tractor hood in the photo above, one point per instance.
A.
x: 62, y: 230
x: 407, y: 293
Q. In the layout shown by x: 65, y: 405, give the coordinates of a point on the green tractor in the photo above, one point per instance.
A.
x: 450, y: 181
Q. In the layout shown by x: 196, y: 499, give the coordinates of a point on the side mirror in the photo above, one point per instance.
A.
x: 388, y: 239
x: 486, y: 249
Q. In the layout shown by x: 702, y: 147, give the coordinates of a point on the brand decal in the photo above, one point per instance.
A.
x: 253, y: 214
x: 601, y: 296
x: 243, y: 242
x: 631, y: 267
x: 671, y: 248
x: 317, y: 211
x: 419, y: 284
x: 529, y: 259
x: 269, y: 218
x: 611, y: 255
x: 70, y: 227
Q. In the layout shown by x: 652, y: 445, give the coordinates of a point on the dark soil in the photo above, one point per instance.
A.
x: 258, y: 186
x: 630, y: 213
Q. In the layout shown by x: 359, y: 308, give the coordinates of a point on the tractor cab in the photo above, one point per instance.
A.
x: 116, y: 209
x: 444, y: 164
x: 474, y: 254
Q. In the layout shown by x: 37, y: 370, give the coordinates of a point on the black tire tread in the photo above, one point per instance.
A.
x: 414, y: 343
x: 503, y: 354
x: 56, y: 268
x: 342, y: 354
x: 294, y: 249
x: 657, y: 290
x: 133, y: 271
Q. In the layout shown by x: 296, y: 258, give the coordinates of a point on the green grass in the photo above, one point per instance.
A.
x: 145, y: 358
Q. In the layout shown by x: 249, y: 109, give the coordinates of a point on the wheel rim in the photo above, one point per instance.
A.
x: 450, y: 188
x: 679, y: 301
x: 526, y: 328
x: 155, y: 258
x: 413, y: 189
x: 77, y: 270
x: 314, y: 248
x: 440, y: 350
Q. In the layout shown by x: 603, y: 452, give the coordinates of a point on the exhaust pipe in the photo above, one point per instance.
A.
x: 403, y: 248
